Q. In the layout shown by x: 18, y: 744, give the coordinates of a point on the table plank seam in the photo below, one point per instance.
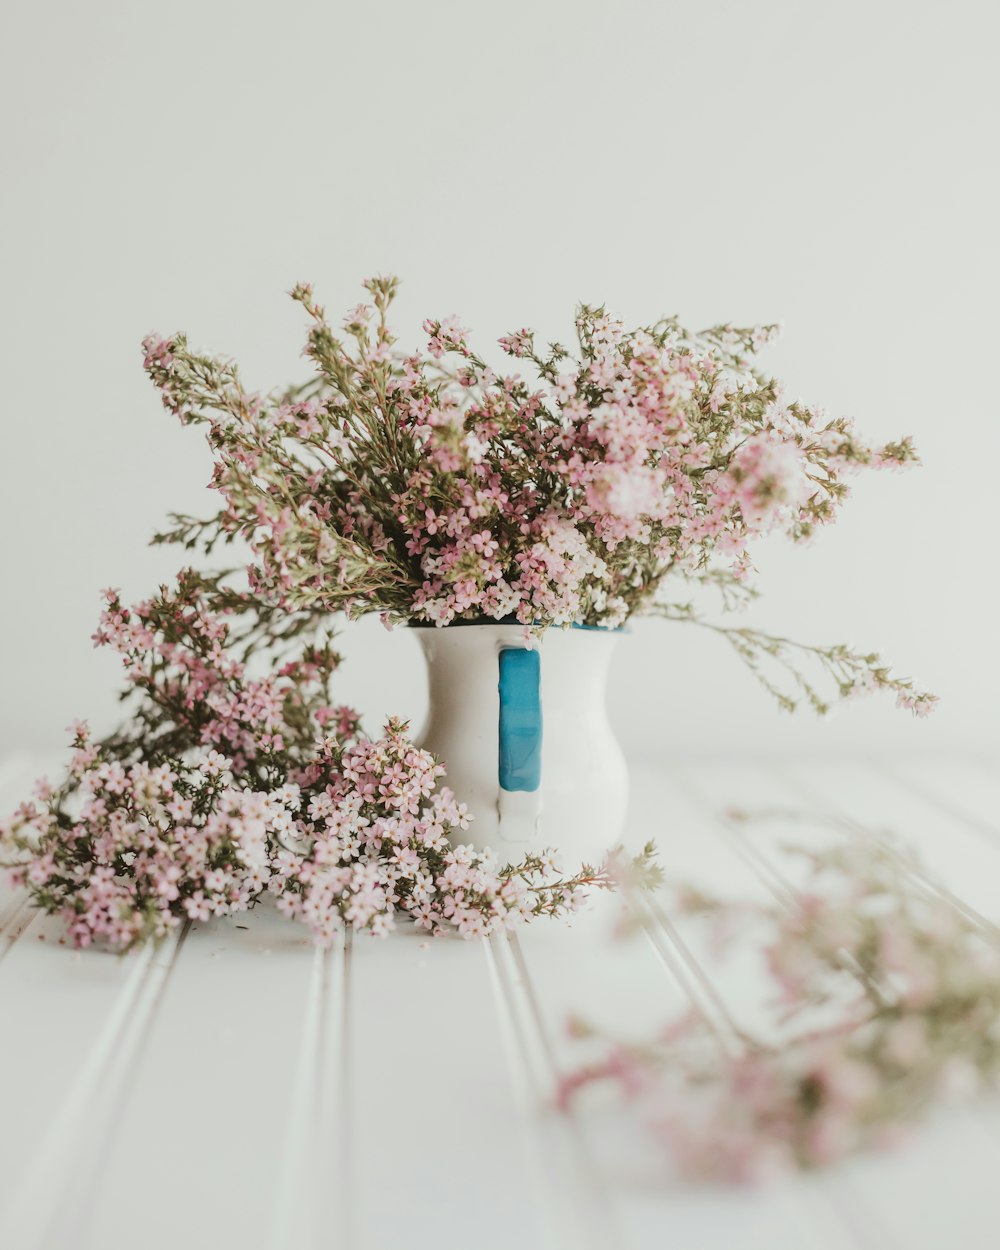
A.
x: 69, y: 1157
x: 314, y: 1176
x: 576, y: 1203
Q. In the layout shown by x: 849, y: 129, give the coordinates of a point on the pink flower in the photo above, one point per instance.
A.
x: 769, y: 479
x: 627, y: 491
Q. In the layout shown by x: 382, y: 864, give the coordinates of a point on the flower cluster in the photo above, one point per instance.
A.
x: 142, y: 848
x: 888, y: 995
x: 188, y: 653
x: 430, y: 487
x: 226, y: 788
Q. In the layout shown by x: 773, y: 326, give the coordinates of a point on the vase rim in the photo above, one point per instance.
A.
x: 507, y: 621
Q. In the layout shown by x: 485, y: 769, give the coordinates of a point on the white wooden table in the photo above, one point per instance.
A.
x: 239, y: 1088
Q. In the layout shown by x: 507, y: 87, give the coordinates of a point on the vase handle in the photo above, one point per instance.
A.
x: 520, y: 764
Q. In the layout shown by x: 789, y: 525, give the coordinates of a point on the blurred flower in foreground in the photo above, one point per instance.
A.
x: 885, y: 995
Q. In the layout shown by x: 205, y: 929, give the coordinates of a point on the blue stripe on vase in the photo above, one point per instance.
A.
x: 520, y: 719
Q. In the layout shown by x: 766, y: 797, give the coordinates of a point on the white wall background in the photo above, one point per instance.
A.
x: 180, y: 166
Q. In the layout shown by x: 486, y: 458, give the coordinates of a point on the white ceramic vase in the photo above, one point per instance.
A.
x: 522, y: 729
